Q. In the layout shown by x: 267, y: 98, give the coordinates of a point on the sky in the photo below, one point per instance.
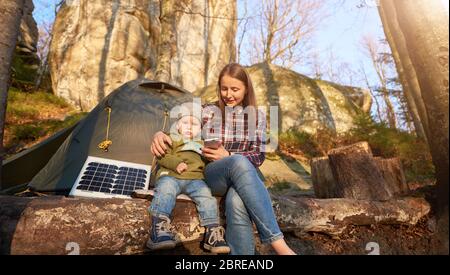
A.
x: 341, y: 31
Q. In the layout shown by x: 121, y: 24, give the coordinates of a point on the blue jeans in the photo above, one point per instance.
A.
x: 247, y: 200
x: 168, y: 188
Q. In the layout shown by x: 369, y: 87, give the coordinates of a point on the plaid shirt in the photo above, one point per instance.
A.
x: 235, y: 135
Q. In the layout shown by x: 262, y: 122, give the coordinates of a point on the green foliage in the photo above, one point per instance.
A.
x: 22, y: 71
x: 23, y: 111
x: 384, y: 141
x: 18, y: 97
x: 33, y: 131
x: 28, y: 132
x: 387, y: 142
x: 301, y: 140
x: 34, y: 116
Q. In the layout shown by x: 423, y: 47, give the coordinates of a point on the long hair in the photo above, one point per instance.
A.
x: 235, y: 70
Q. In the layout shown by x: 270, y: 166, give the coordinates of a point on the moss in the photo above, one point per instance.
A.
x: 28, y: 132
x: 22, y: 69
x: 33, y: 116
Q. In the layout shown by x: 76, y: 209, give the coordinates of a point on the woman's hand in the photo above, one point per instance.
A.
x: 159, y: 147
x: 215, y: 154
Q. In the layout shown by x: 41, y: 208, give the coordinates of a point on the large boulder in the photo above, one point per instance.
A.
x: 29, y: 34
x: 99, y: 45
x: 305, y: 104
x: 26, y: 61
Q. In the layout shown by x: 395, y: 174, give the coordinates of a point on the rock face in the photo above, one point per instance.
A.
x: 99, y: 45
x: 26, y: 61
x: 305, y: 104
x: 29, y: 35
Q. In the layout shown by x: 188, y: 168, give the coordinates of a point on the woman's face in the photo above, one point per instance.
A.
x: 232, y: 91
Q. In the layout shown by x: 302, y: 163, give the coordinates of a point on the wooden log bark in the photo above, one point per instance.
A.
x: 322, y: 178
x: 391, y: 170
x: 356, y: 174
x: 332, y: 216
x: 59, y: 225
x: 49, y: 225
x: 394, y: 177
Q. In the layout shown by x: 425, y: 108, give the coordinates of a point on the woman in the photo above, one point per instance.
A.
x: 232, y: 171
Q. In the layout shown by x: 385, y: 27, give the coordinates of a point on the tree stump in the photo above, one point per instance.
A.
x: 352, y: 172
x: 357, y: 175
x: 322, y: 178
x: 393, y: 175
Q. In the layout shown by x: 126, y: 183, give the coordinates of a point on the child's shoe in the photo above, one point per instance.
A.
x: 161, y: 236
x: 215, y: 240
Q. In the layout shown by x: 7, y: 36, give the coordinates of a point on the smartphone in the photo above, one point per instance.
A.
x: 213, y: 143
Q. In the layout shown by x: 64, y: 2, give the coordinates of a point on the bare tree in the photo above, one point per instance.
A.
x: 45, y: 36
x: 380, y: 63
x: 316, y: 65
x: 167, y: 40
x: 283, y: 30
x: 11, y: 11
x: 407, y: 74
x: 369, y: 87
x: 422, y: 40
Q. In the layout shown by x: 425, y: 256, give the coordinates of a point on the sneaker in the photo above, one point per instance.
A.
x: 161, y: 235
x: 215, y: 240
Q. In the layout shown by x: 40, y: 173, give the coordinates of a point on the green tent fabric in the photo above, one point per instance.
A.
x: 137, y: 112
x: 20, y: 169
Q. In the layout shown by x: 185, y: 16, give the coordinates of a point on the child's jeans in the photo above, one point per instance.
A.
x: 168, y: 188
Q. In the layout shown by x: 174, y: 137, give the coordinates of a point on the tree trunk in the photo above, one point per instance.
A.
x: 426, y: 29
x: 11, y: 15
x: 392, y: 121
x: 357, y: 174
x: 406, y: 71
x: 167, y: 41
x: 59, y: 225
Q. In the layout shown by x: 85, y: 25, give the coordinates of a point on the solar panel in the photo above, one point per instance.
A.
x: 106, y: 178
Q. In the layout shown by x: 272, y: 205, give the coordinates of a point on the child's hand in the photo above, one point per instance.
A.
x: 181, y: 168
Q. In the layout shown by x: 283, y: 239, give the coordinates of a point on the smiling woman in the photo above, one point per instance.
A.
x: 231, y: 172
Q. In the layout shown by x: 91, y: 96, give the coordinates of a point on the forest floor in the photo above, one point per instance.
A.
x: 32, y: 117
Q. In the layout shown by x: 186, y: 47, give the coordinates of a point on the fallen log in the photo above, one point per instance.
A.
x: 59, y: 225
x: 332, y: 216
x: 55, y: 224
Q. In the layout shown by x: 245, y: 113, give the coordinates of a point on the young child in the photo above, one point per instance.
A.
x: 181, y: 172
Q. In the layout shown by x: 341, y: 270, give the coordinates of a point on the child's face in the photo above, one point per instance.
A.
x: 232, y: 91
x: 189, y: 127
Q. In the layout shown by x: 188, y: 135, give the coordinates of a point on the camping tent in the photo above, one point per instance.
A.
x: 138, y: 110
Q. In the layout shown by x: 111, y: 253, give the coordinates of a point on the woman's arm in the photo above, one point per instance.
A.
x: 255, y: 152
x: 159, y: 147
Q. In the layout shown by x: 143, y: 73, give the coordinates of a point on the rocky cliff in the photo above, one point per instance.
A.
x: 305, y: 104
x: 99, y: 45
x: 26, y: 60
